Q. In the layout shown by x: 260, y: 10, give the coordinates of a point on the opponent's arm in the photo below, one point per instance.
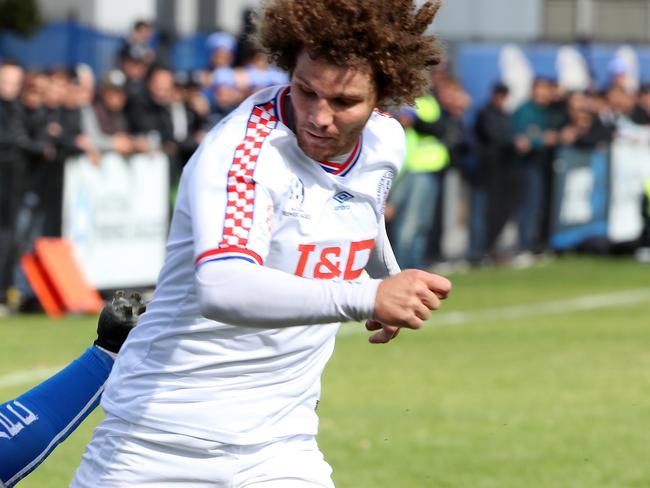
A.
x: 32, y: 425
x: 35, y: 423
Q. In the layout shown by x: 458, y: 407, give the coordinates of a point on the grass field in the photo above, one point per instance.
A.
x: 528, y: 378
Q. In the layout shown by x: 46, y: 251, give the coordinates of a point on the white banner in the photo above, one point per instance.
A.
x: 630, y: 167
x: 116, y: 215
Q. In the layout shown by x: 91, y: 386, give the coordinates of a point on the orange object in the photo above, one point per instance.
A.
x: 43, y: 289
x: 54, y: 274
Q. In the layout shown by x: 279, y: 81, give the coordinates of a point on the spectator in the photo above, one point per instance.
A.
x: 86, y: 82
x: 38, y: 151
x: 583, y: 128
x: 105, y: 122
x: 198, y: 104
x: 535, y: 139
x: 454, y: 102
x: 221, y: 50
x: 258, y: 74
x: 11, y: 135
x: 226, y: 93
x: 138, y: 44
x: 620, y: 74
x: 596, y: 103
x: 134, y: 68
x: 63, y: 129
x: 641, y: 113
x: 74, y: 141
x: 497, y: 174
x: 150, y: 115
x: 163, y: 117
x: 416, y: 192
x: 621, y: 105
x: 39, y: 147
x: 81, y: 94
x: 557, y: 106
x: 190, y: 111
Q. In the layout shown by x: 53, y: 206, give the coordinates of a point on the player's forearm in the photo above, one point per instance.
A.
x: 240, y: 293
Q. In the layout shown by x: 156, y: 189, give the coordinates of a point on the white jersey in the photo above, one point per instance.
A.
x: 250, y: 193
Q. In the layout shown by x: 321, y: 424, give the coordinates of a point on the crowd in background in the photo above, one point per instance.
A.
x: 504, y: 157
x: 142, y: 105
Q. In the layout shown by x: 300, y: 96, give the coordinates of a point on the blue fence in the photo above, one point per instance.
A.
x: 69, y: 43
x: 476, y: 64
x: 479, y: 65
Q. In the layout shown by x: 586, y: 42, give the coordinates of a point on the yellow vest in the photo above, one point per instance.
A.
x: 647, y: 197
x: 425, y: 153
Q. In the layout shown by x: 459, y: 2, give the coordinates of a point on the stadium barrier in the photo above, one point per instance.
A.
x: 55, y: 277
x: 116, y: 215
x: 598, y: 193
x: 580, y: 197
x: 70, y: 43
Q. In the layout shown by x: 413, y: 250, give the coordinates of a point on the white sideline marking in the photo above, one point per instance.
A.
x: 579, y: 304
x: 26, y: 376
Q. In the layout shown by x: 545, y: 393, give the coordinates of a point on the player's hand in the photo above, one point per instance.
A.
x: 407, y: 298
x: 384, y: 334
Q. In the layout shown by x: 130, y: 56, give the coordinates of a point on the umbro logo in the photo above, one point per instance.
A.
x: 343, y: 196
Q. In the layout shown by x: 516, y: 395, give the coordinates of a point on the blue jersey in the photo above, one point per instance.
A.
x: 32, y: 425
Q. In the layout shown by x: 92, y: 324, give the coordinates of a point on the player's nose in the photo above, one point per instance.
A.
x: 321, y: 114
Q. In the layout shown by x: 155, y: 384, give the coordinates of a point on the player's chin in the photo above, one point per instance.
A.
x: 315, y: 153
x: 319, y: 151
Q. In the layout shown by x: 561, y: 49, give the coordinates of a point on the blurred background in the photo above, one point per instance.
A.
x: 532, y: 142
x: 527, y: 181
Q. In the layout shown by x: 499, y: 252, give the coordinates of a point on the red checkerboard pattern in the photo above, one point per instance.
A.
x: 241, y: 186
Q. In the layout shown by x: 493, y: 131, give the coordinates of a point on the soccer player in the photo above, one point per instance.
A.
x: 32, y: 425
x: 278, y: 213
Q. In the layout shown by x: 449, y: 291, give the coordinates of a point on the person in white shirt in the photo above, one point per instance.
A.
x: 278, y: 214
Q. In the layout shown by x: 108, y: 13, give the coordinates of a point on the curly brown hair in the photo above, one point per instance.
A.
x: 388, y: 34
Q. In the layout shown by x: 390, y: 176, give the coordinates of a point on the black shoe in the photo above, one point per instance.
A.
x: 116, y: 320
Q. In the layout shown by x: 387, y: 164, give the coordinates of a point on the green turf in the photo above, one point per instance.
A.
x: 551, y: 401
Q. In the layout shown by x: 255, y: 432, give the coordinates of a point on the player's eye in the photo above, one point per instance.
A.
x: 344, y: 102
x: 307, y: 91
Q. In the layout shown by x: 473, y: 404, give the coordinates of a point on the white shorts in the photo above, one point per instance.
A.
x: 122, y: 455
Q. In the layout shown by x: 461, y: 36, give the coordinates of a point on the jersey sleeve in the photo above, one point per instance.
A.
x: 382, y: 262
x: 231, y: 212
x: 34, y: 424
x: 237, y: 293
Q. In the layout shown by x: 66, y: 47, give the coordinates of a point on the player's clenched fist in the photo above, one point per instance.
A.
x: 406, y: 299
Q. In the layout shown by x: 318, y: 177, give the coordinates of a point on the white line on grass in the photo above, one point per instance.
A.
x: 579, y: 304
x: 26, y: 376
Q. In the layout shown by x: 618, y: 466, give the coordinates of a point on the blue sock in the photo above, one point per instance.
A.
x: 33, y: 424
